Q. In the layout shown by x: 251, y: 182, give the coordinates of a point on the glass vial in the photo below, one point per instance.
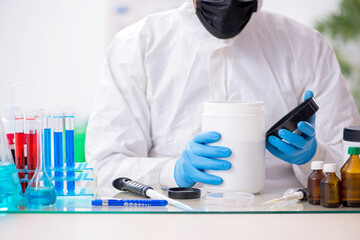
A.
x: 313, y: 182
x: 350, y: 179
x: 10, y: 189
x: 330, y: 187
x: 40, y: 191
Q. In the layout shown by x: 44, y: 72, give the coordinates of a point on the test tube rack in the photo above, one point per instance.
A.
x: 81, y: 174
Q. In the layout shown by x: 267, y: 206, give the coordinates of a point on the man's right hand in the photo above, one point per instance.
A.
x: 197, y: 157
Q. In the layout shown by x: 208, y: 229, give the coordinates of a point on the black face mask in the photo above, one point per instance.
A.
x: 225, y: 18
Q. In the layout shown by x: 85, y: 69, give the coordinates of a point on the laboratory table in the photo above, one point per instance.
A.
x: 71, y: 218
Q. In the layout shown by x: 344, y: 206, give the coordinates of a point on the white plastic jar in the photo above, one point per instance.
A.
x: 351, y: 138
x: 242, y: 128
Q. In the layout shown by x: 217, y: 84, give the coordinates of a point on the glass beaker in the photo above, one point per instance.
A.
x: 10, y: 188
x: 40, y: 191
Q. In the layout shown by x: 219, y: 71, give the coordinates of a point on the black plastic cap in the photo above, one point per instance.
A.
x: 305, y: 192
x: 184, y: 193
x: 352, y: 134
x: 302, y: 112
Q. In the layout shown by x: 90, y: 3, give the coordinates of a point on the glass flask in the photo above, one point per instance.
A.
x: 40, y: 191
x: 10, y: 188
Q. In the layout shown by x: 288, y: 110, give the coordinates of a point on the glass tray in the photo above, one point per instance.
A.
x: 82, y: 205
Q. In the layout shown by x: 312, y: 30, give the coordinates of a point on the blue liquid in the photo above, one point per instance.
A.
x: 42, y: 196
x: 10, y: 188
x: 47, y: 147
x: 70, y: 158
x: 58, y: 160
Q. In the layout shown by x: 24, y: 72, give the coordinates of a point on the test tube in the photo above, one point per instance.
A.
x: 47, y: 140
x: 19, y: 147
x: 58, y: 150
x: 11, y: 141
x: 70, y: 149
x: 31, y: 142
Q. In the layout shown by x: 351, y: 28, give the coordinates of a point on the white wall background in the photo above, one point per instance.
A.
x: 59, y: 46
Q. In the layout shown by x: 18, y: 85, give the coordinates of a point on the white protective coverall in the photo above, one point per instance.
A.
x: 159, y: 71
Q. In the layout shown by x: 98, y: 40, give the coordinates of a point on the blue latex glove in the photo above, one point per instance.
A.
x: 197, y: 157
x: 298, y: 149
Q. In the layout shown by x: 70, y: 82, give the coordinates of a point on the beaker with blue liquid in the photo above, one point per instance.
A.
x: 10, y: 188
x: 40, y: 191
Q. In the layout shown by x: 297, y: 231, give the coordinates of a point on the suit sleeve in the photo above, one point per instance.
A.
x: 337, y: 108
x: 119, y: 130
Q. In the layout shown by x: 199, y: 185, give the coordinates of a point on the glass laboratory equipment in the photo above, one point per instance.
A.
x: 10, y: 188
x: 313, y: 182
x: 58, y: 150
x: 31, y: 142
x: 20, y: 148
x: 70, y: 149
x: 40, y: 191
x: 47, y: 139
x: 350, y: 179
x: 330, y: 187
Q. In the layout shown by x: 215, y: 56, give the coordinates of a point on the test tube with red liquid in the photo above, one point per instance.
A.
x: 19, y: 147
x: 11, y: 141
x: 31, y: 143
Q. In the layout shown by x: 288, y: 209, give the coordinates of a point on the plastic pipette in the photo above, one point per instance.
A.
x: 301, y: 194
x: 126, y: 184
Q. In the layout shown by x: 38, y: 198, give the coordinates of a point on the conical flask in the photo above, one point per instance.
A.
x: 10, y: 188
x: 40, y: 191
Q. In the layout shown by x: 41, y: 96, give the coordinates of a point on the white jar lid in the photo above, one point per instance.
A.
x: 233, y: 108
x: 330, y: 168
x: 317, y: 165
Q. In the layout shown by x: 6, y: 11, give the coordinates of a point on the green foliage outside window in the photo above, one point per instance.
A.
x: 343, y: 29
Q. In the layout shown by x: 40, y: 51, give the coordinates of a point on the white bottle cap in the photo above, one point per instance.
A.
x: 330, y: 168
x: 317, y: 165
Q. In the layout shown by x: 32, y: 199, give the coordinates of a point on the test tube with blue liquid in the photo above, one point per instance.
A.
x: 40, y: 191
x: 58, y: 151
x: 47, y: 140
x: 70, y: 151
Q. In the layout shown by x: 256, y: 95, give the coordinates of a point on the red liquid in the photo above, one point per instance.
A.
x: 25, y: 149
x: 31, y: 153
x: 11, y: 140
x: 19, y: 154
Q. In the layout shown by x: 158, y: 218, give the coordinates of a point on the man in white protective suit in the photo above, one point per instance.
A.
x: 146, y: 119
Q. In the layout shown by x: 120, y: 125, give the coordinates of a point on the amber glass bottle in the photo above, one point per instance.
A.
x: 330, y: 187
x: 313, y: 182
x: 350, y: 179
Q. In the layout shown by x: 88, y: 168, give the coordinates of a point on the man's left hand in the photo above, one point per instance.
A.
x: 294, y: 148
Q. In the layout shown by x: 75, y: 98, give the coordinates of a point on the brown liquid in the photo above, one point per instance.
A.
x: 313, y: 185
x: 350, y: 182
x: 330, y: 191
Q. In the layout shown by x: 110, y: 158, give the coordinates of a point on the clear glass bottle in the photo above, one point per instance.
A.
x: 10, y: 188
x: 330, y: 187
x: 40, y: 191
x: 313, y: 182
x: 350, y: 179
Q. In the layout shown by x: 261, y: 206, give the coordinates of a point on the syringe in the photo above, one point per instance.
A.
x: 301, y: 195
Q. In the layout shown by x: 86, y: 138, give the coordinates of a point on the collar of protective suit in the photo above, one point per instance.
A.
x: 196, y: 28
